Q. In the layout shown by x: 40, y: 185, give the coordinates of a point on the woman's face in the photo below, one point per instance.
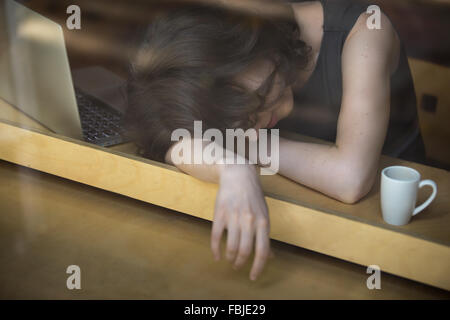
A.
x: 279, y: 100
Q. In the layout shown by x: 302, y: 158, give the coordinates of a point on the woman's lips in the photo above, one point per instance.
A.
x: 273, y: 121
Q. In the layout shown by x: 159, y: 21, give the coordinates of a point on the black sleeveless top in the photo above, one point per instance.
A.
x: 318, y: 102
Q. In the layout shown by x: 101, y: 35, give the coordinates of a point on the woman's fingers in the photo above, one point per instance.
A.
x: 240, y: 238
x: 246, y: 240
x: 262, y: 249
x: 216, y: 235
x: 233, y: 235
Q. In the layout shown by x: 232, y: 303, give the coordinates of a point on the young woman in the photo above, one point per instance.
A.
x: 323, y: 73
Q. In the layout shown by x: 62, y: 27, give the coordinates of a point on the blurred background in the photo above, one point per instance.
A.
x: 107, y: 26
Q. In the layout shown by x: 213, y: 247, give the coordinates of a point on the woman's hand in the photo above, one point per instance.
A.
x: 242, y: 210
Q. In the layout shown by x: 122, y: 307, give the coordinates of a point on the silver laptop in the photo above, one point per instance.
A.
x: 35, y: 77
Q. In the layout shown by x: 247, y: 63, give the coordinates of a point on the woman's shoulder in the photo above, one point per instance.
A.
x: 375, y: 27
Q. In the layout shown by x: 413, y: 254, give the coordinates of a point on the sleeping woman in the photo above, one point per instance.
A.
x: 318, y: 71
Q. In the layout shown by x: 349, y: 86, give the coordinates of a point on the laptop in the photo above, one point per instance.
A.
x: 35, y: 77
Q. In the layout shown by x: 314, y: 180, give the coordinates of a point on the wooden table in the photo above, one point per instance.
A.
x: 129, y: 249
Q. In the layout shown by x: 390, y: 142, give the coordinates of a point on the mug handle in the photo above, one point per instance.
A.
x: 432, y: 184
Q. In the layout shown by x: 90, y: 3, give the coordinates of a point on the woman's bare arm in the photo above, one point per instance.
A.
x: 240, y: 209
x: 346, y: 170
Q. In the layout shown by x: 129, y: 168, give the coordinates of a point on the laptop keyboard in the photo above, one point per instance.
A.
x: 101, y: 124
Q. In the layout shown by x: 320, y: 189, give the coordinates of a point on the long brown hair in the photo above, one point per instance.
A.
x: 185, y: 65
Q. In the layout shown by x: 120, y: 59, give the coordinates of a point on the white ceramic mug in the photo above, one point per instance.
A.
x: 399, y: 186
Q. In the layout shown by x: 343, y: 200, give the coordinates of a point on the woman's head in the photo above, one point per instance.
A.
x: 225, y: 68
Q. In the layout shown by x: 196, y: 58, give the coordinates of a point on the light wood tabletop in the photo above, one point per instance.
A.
x: 417, y: 251
x: 130, y: 249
